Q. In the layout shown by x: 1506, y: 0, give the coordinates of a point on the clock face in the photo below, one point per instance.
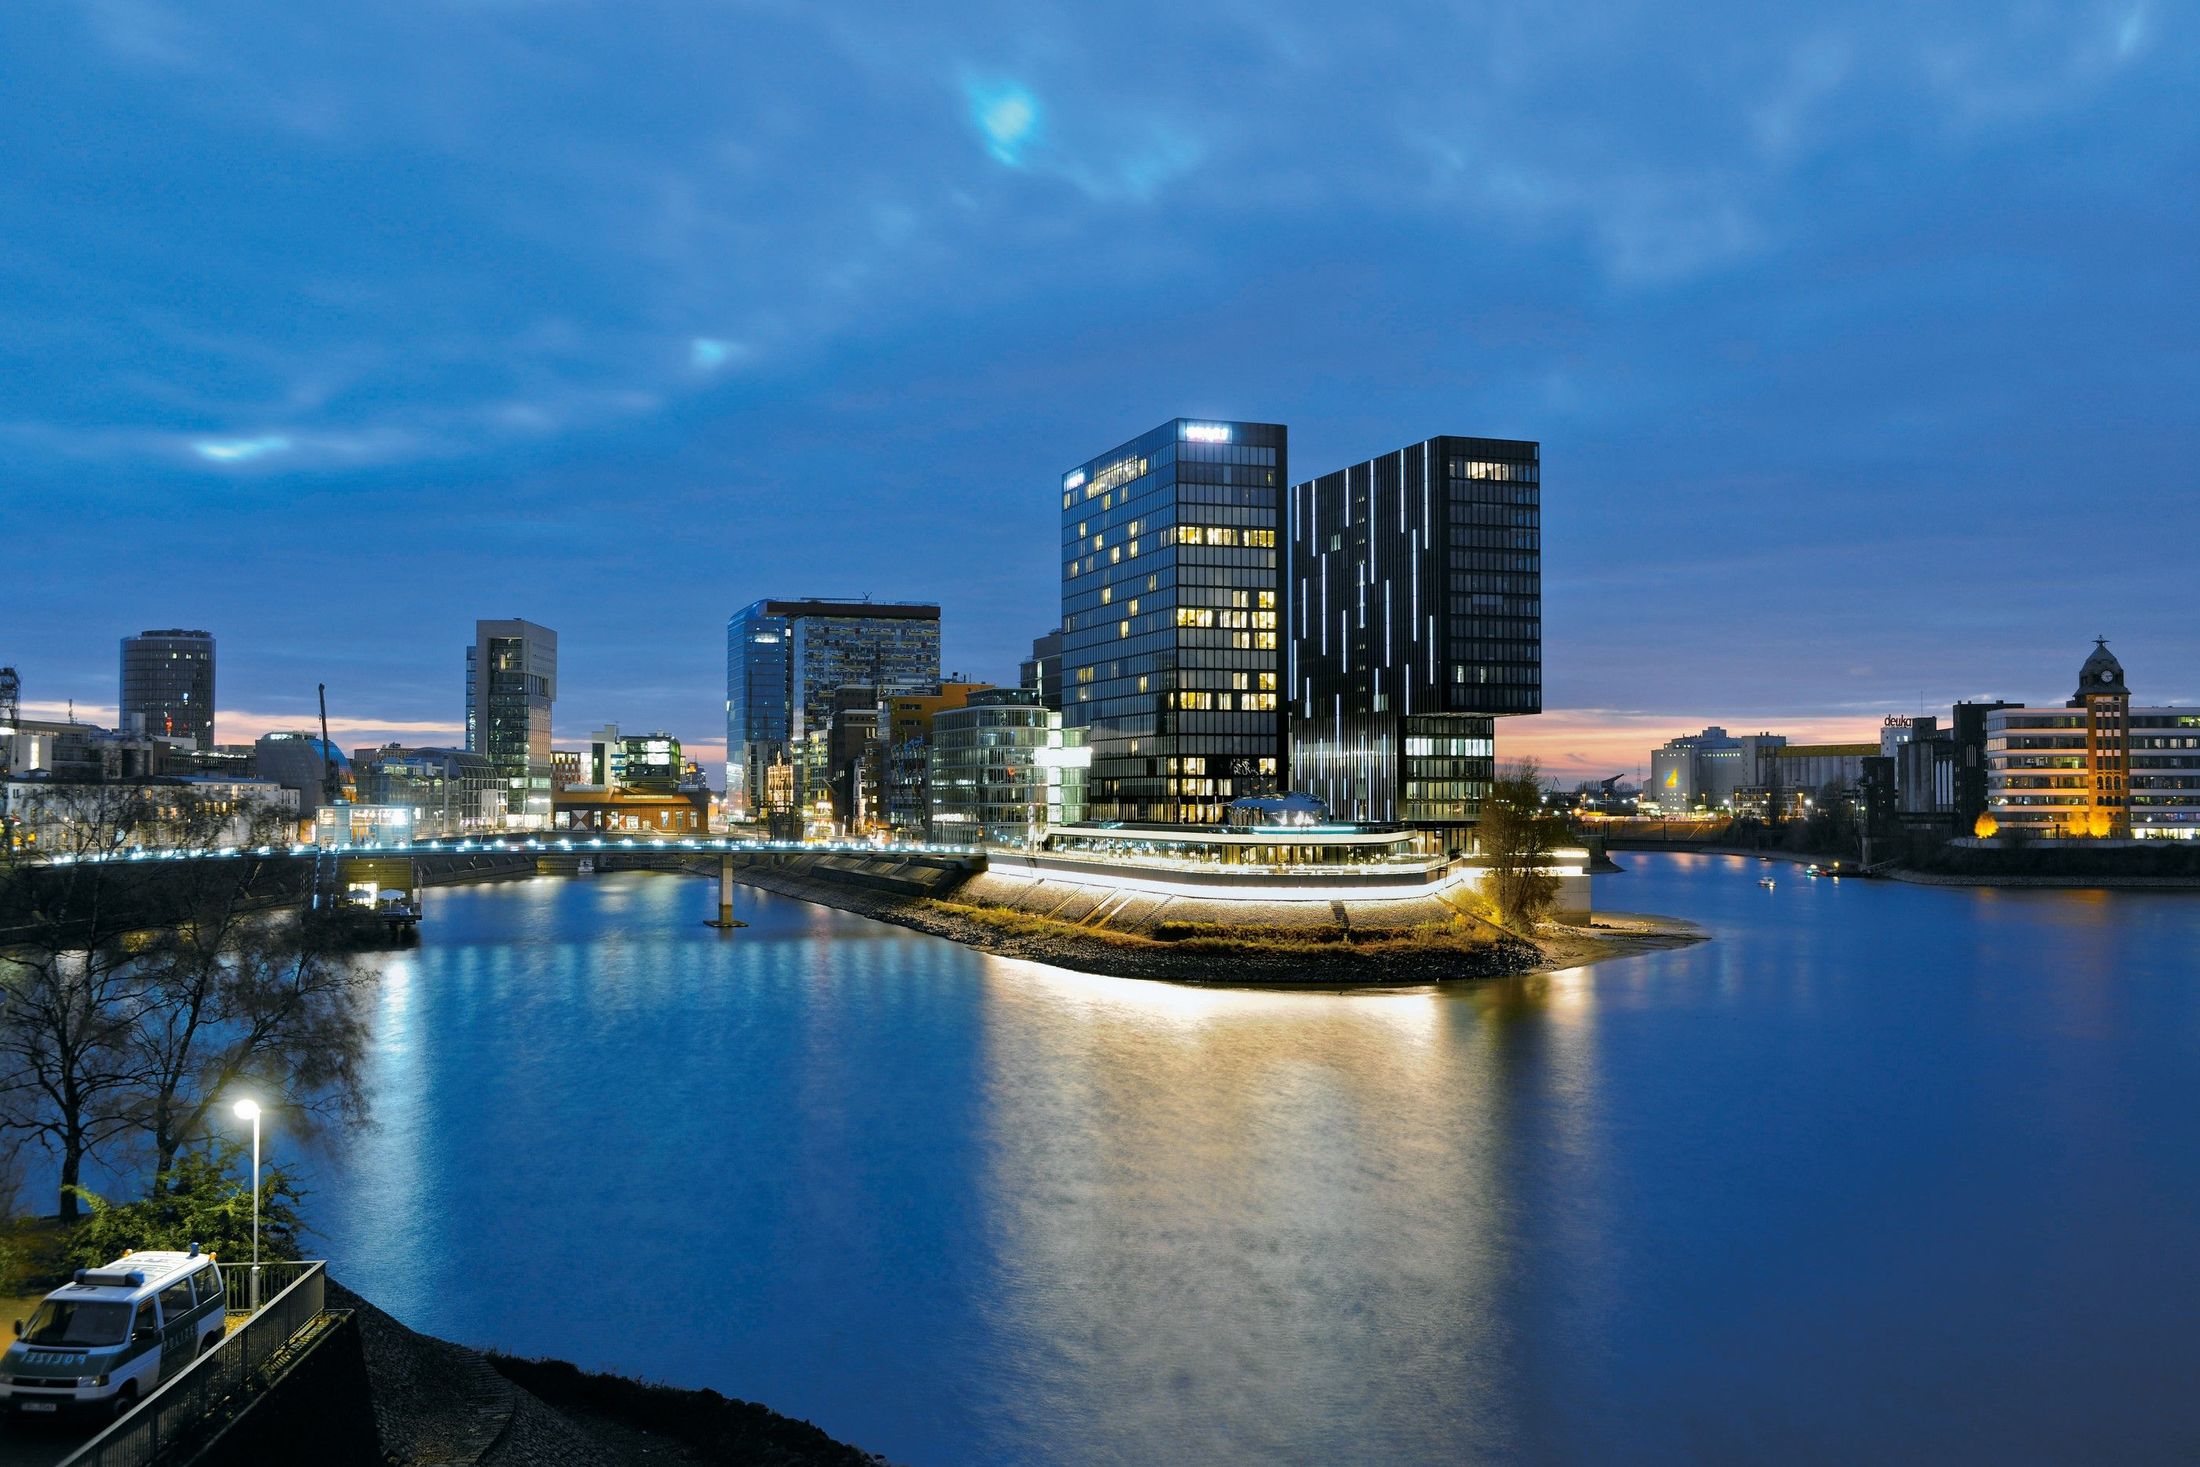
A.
x: 2107, y: 676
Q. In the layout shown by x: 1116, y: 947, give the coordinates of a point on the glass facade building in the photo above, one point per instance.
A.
x: 784, y: 662
x: 448, y: 791
x: 1000, y: 773
x: 511, y: 683
x: 1171, y: 588
x: 1416, y: 586
x: 168, y: 685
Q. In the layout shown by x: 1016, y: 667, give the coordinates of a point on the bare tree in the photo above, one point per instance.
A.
x: 69, y: 979
x: 238, y: 1000
x: 136, y: 993
x: 1516, y: 838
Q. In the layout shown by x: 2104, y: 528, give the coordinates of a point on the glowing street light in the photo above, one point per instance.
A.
x: 248, y: 1109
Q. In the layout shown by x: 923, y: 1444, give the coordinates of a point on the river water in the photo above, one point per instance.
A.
x: 1880, y: 1173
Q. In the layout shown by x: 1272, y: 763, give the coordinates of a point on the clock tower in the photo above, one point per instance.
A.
x: 2107, y: 705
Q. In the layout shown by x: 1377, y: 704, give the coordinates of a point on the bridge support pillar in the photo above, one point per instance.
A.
x: 725, y: 920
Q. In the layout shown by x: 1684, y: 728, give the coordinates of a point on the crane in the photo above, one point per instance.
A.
x: 332, y: 788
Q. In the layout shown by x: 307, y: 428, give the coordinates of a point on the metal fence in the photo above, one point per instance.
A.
x: 219, y: 1383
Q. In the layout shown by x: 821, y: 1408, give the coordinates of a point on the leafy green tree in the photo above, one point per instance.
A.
x: 207, y: 1200
x: 1516, y: 839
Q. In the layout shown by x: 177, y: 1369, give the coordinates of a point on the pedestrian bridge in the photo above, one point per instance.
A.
x: 518, y: 844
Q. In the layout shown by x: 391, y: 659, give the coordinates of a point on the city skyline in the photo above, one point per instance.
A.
x: 1813, y: 357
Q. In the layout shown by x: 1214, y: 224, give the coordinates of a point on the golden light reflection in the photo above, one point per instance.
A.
x: 1323, y: 1178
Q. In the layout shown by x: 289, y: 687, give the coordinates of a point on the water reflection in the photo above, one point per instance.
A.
x: 1881, y: 1173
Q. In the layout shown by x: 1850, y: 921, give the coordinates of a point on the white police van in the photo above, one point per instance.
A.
x: 108, y: 1338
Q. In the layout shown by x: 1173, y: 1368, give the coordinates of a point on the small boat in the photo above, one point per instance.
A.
x: 1814, y: 869
x: 1765, y: 882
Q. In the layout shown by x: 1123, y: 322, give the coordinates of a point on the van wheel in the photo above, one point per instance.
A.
x: 208, y: 1342
x: 126, y: 1399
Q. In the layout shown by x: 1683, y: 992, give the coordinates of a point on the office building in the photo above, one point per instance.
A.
x: 2096, y: 766
x: 1001, y: 772
x: 784, y: 662
x: 1415, y: 601
x: 1171, y: 587
x: 448, y: 791
x: 649, y: 762
x: 511, y: 684
x: 904, y: 753
x: 1041, y: 672
x: 168, y: 686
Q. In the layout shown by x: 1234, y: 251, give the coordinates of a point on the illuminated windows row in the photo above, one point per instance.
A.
x: 1226, y: 535
x: 1199, y: 701
x: 1207, y: 616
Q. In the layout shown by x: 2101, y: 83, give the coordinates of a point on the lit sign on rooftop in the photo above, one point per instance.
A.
x: 1206, y: 433
x: 1071, y: 481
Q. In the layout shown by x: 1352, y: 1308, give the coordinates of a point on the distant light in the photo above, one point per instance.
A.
x: 1207, y: 432
x: 1074, y: 481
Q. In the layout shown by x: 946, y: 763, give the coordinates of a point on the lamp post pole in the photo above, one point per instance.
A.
x: 250, y: 1110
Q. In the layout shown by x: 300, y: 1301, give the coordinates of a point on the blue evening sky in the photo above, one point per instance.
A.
x: 1860, y: 338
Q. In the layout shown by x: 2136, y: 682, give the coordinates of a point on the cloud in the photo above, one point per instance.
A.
x: 709, y: 353
x: 240, y: 450
x: 1006, y: 116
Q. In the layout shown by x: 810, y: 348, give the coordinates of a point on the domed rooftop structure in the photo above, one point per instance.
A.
x: 2102, y: 673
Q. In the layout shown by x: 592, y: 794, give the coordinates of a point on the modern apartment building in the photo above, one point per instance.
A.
x: 511, y: 684
x: 1415, y: 597
x: 785, y: 659
x: 1171, y: 547
x: 168, y: 686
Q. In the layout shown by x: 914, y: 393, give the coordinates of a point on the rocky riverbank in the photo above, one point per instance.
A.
x: 436, y: 1402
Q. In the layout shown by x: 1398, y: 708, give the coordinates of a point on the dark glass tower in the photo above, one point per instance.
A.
x: 1416, y: 620
x: 168, y: 685
x: 784, y: 662
x: 511, y: 685
x: 1171, y: 548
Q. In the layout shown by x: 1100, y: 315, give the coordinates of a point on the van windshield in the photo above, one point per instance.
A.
x: 75, y: 1322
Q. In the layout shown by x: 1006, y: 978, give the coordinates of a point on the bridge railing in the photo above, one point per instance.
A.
x: 520, y: 844
x: 219, y: 1383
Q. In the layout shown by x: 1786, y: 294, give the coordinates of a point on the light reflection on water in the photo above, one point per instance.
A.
x: 1881, y: 1172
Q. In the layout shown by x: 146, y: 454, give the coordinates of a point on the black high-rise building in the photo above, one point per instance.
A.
x: 1171, y: 591
x: 168, y: 685
x: 1415, y: 605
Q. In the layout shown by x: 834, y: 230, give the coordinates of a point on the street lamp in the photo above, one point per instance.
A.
x: 249, y: 1110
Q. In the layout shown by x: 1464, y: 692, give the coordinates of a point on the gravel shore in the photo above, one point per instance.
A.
x: 437, y: 1404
